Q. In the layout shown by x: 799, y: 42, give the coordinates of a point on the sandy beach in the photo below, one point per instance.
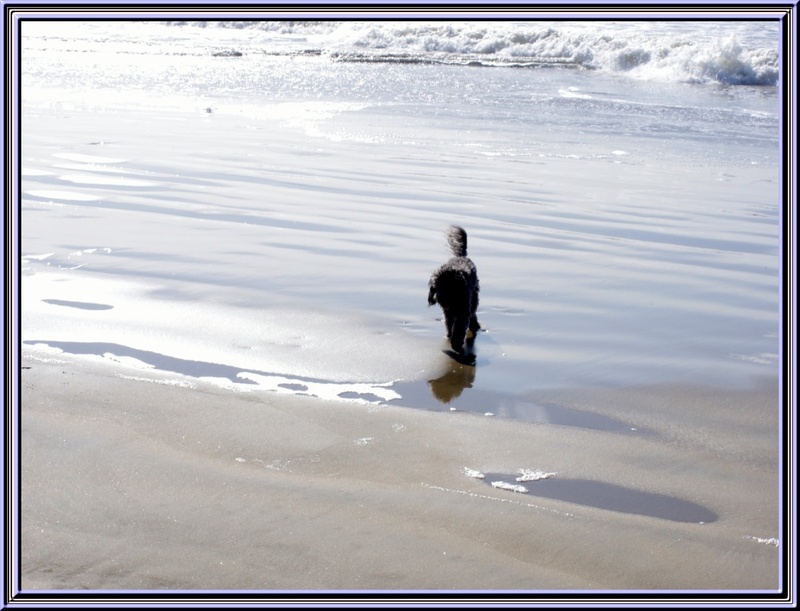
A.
x: 130, y: 484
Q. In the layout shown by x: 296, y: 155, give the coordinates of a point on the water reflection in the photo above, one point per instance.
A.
x: 449, y: 389
x: 450, y: 385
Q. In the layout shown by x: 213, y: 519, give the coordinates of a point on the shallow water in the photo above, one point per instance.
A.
x: 625, y: 230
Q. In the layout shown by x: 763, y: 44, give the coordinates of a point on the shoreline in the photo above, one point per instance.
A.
x: 232, y: 380
x: 568, y: 296
x: 136, y: 485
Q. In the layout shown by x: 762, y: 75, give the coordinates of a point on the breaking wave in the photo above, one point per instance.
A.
x: 728, y: 54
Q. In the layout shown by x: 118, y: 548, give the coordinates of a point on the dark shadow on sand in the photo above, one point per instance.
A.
x: 612, y: 497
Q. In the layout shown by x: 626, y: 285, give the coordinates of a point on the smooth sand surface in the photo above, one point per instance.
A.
x: 128, y: 484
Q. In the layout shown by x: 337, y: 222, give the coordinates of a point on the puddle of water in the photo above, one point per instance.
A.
x: 447, y: 393
x: 146, y: 359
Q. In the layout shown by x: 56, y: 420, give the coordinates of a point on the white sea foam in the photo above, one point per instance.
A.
x: 766, y: 541
x: 640, y: 50
x: 530, y: 475
x: 573, y: 93
x: 473, y: 473
x: 196, y: 78
x: 163, y: 381
x: 352, y: 392
x: 512, y: 487
x: 41, y: 348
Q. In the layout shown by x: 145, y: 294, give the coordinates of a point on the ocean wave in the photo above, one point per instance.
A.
x: 722, y: 54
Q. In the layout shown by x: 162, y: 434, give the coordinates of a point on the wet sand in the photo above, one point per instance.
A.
x: 130, y: 484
